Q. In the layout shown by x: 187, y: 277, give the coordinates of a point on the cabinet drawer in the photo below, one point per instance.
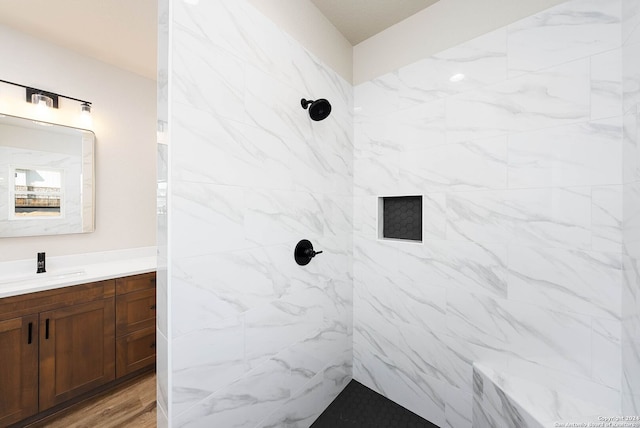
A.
x: 135, y: 351
x: 135, y: 311
x: 135, y: 283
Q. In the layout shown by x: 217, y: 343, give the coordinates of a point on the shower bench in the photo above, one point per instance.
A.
x: 508, y: 401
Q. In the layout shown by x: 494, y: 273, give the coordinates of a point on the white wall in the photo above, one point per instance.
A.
x: 445, y: 24
x: 519, y: 165
x: 124, y: 121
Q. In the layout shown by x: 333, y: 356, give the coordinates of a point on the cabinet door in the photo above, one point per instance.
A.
x: 77, y: 350
x: 18, y: 369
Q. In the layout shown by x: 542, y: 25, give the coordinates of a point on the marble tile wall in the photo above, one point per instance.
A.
x: 631, y: 221
x: 520, y: 168
x: 162, y: 238
x: 252, y: 338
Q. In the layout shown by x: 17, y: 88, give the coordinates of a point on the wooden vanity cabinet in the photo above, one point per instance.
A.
x: 135, y: 323
x: 57, y: 345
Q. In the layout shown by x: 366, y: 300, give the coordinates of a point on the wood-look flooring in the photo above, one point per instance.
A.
x: 132, y: 404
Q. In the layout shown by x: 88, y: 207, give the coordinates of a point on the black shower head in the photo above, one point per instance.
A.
x: 318, y: 109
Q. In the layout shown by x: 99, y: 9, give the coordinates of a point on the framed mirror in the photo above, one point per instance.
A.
x: 46, y: 178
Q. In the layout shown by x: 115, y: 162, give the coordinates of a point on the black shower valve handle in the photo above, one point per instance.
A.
x: 310, y: 253
x: 304, y: 252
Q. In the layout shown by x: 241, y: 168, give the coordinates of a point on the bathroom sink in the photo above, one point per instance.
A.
x: 41, y: 277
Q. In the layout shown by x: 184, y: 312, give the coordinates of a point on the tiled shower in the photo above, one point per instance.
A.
x: 528, y: 170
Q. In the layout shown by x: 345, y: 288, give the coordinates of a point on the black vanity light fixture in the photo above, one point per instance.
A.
x: 318, y: 109
x: 48, y: 99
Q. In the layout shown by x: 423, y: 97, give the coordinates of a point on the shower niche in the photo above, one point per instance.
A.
x: 400, y: 218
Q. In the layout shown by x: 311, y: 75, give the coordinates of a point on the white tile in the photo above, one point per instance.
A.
x: 206, y: 218
x: 206, y: 76
x: 630, y: 21
x: 205, y: 361
x: 495, y: 404
x: 607, y: 218
x: 553, y: 339
x: 244, y: 403
x: 606, y: 351
x: 477, y: 268
x: 630, y: 404
x: 278, y: 217
x: 434, y: 220
x: 301, y: 410
x: 375, y: 176
x: 199, y: 300
x: 278, y: 325
x: 584, y: 388
x: 630, y: 366
x: 419, y: 127
x: 480, y: 164
x: 162, y: 370
x: 547, y: 217
x: 309, y: 357
x: 631, y: 223
x: 631, y: 154
x: 588, y: 283
x: 421, y: 395
x: 275, y: 107
x: 482, y: 60
x: 571, y: 30
x: 550, y: 97
x: 536, y: 403
x: 458, y: 408
x: 630, y: 76
x: 606, y: 84
x: 365, y: 216
x: 574, y: 155
x: 210, y: 149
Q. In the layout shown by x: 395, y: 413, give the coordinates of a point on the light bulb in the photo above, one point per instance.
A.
x: 42, y: 104
x: 85, y: 115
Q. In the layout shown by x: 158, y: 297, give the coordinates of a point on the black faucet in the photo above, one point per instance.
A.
x: 41, y: 263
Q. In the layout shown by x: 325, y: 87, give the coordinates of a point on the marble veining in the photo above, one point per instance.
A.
x: 523, y: 168
x: 249, y: 174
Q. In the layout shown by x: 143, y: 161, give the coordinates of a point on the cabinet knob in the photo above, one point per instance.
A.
x: 152, y: 307
x: 153, y: 345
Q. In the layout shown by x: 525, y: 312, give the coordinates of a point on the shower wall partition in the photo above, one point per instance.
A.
x: 252, y: 338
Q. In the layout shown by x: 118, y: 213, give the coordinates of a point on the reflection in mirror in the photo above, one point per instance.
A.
x: 38, y: 193
x: 46, y: 178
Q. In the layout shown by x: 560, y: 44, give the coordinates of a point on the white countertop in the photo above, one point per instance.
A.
x: 64, y: 272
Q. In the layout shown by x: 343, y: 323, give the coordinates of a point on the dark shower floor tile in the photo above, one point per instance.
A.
x: 358, y: 406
